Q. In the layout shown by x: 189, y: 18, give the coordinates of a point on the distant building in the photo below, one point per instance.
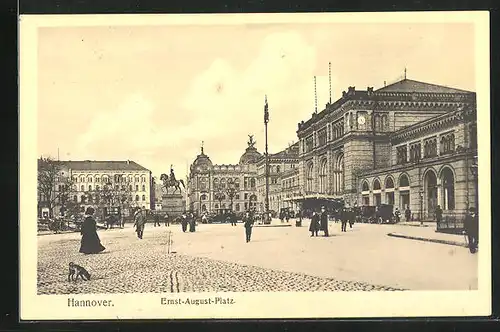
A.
x: 281, y: 166
x: 89, y: 177
x: 208, y: 183
x: 409, y: 144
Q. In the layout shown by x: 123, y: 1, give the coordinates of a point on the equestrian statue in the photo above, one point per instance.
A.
x: 171, y: 181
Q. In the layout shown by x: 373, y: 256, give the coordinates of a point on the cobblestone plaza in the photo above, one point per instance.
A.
x: 217, y: 259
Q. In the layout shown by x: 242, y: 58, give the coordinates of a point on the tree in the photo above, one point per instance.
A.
x: 220, y: 196
x: 53, y: 187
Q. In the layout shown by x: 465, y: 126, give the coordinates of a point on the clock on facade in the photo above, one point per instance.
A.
x: 361, y: 120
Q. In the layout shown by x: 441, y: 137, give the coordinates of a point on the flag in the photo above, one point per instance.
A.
x: 266, y: 112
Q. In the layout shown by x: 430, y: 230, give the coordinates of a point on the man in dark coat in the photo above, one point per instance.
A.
x: 157, y: 219
x: 471, y: 228
x: 407, y: 213
x: 314, y: 225
x: 344, y: 216
x: 184, y: 222
x: 248, y: 224
x: 90, y: 244
x: 439, y: 214
x: 192, y: 223
x: 324, y: 221
x: 167, y: 219
x: 140, y: 222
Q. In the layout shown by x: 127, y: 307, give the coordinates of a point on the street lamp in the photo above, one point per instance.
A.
x: 475, y: 172
x: 421, y: 196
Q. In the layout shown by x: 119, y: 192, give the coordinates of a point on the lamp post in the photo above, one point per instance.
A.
x: 475, y: 173
x: 266, y: 120
x: 421, y: 196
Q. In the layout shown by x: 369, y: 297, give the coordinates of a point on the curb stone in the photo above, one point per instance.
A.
x: 453, y: 243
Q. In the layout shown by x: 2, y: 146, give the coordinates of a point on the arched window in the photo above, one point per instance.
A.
x: 376, y: 184
x: 75, y: 198
x: 338, y: 176
x: 90, y: 187
x: 203, y: 197
x: 97, y: 179
x: 365, y: 186
x: 136, y: 187
x: 143, y: 197
x: 216, y: 183
x: 89, y: 179
x: 143, y: 187
x: 322, y: 177
x: 277, y: 169
x: 389, y: 183
x: 252, y: 182
x: 96, y: 187
x: 136, y: 178
x: 82, y: 187
x: 448, y: 181
x: 403, y: 181
x: 137, y: 198
x: 82, y: 178
x: 223, y: 183
x: 378, y: 122
x: 309, y: 177
x: 143, y: 179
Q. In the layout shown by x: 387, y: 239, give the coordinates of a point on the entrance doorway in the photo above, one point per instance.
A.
x: 404, y: 200
x: 390, y: 198
x: 430, y: 182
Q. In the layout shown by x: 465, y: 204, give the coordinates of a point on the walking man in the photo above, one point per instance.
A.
x: 157, y: 219
x: 471, y: 228
x: 314, y: 225
x: 248, y: 223
x: 324, y: 221
x: 140, y: 222
x: 344, y: 215
x: 167, y: 219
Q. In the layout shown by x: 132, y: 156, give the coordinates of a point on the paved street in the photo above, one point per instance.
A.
x: 217, y: 258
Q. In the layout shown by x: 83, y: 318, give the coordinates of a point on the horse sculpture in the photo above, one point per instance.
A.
x: 167, y: 183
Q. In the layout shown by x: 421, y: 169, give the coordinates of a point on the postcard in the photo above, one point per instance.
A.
x: 235, y: 166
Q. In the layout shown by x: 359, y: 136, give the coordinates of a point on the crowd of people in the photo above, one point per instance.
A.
x: 91, y: 244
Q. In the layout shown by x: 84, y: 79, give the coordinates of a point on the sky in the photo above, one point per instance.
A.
x: 152, y: 94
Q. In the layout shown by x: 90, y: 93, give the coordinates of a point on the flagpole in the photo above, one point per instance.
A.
x: 266, y: 120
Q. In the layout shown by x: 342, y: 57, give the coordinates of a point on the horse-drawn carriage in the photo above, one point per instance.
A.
x: 113, y: 216
x: 382, y: 214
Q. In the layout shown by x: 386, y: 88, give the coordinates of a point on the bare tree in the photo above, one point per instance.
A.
x: 53, y: 187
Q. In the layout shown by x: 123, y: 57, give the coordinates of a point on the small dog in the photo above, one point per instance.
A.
x: 76, y: 271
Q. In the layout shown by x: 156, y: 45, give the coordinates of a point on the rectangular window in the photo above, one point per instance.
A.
x: 402, y: 154
x: 430, y: 148
x: 309, y: 143
x: 322, y: 137
x: 246, y: 196
x: 415, y: 152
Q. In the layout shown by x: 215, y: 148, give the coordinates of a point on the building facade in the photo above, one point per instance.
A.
x: 213, y: 187
x: 409, y: 144
x: 125, y: 179
x: 281, y: 166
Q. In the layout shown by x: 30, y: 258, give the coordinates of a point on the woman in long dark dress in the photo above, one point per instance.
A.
x: 91, y: 244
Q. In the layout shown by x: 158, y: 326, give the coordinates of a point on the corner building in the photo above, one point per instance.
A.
x: 408, y: 144
x: 208, y: 183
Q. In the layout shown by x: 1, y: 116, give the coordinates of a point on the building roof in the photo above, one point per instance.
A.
x: 407, y: 85
x: 250, y: 156
x: 291, y: 152
x: 104, y: 165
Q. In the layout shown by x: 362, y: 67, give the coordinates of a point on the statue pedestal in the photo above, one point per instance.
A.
x: 172, y: 204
